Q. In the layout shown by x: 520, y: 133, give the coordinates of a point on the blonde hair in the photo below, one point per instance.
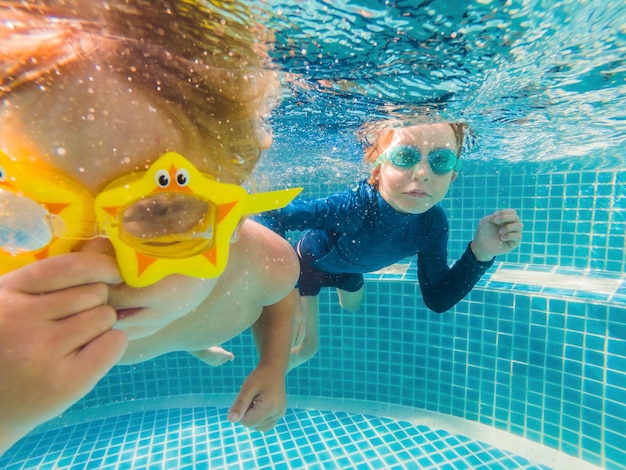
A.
x: 207, y: 56
x: 385, y: 137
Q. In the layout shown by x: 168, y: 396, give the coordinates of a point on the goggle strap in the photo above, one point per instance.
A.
x: 381, y: 159
x: 89, y: 229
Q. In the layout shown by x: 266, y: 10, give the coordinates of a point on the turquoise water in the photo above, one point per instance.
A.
x: 529, y: 371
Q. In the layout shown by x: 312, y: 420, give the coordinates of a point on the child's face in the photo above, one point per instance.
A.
x: 416, y: 189
x: 96, y: 127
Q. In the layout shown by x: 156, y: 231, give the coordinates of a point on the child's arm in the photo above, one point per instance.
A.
x: 331, y: 212
x: 56, y: 339
x: 443, y: 286
x: 262, y: 398
x: 261, y: 402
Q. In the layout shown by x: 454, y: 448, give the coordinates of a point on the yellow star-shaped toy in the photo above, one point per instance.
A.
x: 199, y: 251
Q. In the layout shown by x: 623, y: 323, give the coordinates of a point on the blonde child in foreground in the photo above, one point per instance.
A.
x: 92, y: 91
x: 388, y: 217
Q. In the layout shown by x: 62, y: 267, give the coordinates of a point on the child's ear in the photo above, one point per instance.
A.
x: 376, y: 173
x: 266, y: 143
x: 454, y: 175
x: 264, y: 138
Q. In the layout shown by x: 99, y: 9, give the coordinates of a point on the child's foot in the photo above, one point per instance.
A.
x: 214, y: 356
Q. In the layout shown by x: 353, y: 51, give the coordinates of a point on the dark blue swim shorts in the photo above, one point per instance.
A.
x: 312, y: 280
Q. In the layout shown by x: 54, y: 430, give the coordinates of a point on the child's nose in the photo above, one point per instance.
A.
x: 422, y: 170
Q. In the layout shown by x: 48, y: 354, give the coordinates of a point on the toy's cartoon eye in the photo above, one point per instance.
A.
x: 182, y: 177
x: 162, y: 179
x: 3, y: 175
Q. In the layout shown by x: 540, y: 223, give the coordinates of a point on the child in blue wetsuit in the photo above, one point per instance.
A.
x: 392, y: 215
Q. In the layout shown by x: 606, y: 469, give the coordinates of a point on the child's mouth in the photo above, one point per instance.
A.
x: 127, y: 312
x: 418, y: 194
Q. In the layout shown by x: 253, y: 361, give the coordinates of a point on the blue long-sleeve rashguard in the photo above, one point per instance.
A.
x: 357, y: 231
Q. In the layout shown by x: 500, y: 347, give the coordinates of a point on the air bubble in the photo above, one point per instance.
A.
x: 238, y: 160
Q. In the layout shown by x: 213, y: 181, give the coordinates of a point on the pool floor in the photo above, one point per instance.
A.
x: 201, y: 438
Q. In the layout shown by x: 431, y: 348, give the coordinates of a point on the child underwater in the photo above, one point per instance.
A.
x: 126, y: 129
x: 389, y: 216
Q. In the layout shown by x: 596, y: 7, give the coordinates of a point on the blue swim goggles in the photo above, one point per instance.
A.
x: 441, y: 161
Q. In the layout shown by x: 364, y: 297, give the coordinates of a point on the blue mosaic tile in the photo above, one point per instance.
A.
x: 201, y: 438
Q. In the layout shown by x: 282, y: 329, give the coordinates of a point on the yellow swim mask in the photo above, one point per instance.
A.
x: 169, y: 219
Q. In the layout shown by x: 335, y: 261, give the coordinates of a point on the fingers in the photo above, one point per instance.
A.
x: 63, y: 271
x: 510, y: 226
x: 266, y: 425
x: 261, y: 416
x: 241, y: 405
x: 497, y: 234
x: 63, y: 303
x: 79, y: 330
x: 96, y: 358
x: 511, y: 231
x: 257, y: 415
x: 253, y: 411
x: 505, y: 216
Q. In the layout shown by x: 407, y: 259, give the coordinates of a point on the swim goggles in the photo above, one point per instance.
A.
x: 441, y: 161
x: 168, y: 219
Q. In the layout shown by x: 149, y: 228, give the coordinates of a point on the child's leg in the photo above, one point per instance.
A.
x: 299, y: 324
x: 351, y: 301
x: 214, y: 356
x: 306, y: 347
